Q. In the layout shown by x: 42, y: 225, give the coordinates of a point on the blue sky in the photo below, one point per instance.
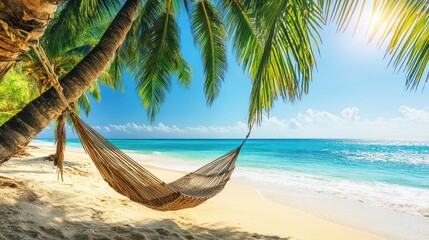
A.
x: 353, y: 95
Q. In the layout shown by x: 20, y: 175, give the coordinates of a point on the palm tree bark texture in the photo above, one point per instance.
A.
x: 21, y: 21
x: 18, y: 131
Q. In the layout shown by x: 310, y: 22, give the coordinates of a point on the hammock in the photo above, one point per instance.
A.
x: 132, y: 180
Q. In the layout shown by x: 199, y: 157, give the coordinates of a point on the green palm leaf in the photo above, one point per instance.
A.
x: 404, y: 30
x: 286, y: 59
x: 407, y: 34
x: 241, y: 24
x: 112, y: 77
x: 159, y: 55
x: 16, y: 91
x: 74, y: 19
x: 84, y: 105
x: 209, y: 34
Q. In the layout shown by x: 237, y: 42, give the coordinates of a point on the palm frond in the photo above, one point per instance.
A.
x: 287, y: 57
x: 81, y: 50
x: 112, y: 77
x: 74, y: 19
x: 240, y: 20
x: 84, y: 104
x: 406, y: 30
x: 159, y: 55
x: 145, y: 21
x: 403, y: 27
x: 16, y: 91
x: 94, y: 91
x: 342, y: 12
x: 183, y: 71
x: 187, y: 5
x: 210, y: 34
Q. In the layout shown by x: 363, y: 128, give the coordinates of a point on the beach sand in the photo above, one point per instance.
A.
x: 35, y: 205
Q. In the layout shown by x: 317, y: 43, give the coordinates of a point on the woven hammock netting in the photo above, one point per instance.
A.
x: 132, y: 180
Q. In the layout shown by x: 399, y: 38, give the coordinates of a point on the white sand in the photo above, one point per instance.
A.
x: 34, y: 205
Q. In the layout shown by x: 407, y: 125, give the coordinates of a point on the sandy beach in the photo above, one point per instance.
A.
x: 35, y: 205
x: 306, y: 119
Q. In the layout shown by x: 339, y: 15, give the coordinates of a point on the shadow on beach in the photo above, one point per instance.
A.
x: 25, y: 216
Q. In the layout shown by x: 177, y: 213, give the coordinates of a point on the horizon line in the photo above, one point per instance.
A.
x: 256, y: 138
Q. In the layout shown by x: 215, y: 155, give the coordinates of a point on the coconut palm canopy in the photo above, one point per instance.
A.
x: 274, y: 41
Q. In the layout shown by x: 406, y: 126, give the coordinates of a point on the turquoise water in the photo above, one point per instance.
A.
x: 402, y: 163
x: 388, y: 173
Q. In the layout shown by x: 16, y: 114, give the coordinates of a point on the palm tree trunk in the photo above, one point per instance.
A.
x: 21, y: 21
x: 23, y: 127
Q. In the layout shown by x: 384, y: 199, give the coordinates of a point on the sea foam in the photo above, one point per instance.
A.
x: 395, y: 197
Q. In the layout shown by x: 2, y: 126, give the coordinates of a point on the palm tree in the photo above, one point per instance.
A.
x: 22, y: 25
x: 28, y: 79
x: 63, y: 57
x: 64, y: 60
x: 274, y: 41
x: 38, y: 113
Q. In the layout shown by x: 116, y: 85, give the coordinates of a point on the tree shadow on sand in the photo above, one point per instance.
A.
x: 26, y: 217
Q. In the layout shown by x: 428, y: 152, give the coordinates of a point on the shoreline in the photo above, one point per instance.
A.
x: 339, y: 210
x: 377, y: 220
x: 229, y: 210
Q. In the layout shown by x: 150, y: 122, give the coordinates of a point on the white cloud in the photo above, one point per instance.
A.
x: 240, y: 126
x: 311, y: 117
x: 415, y: 114
x: 199, y: 129
x: 163, y: 128
x: 142, y: 127
x: 411, y: 123
x: 294, y: 124
x: 274, y: 122
x: 119, y: 127
x: 350, y: 114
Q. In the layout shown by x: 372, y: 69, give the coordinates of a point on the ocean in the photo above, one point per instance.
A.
x: 390, y: 174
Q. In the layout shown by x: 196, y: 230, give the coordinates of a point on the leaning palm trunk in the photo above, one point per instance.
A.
x: 21, y: 22
x: 23, y: 127
x: 60, y: 140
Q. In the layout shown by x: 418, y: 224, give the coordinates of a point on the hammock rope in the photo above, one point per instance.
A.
x: 130, y: 179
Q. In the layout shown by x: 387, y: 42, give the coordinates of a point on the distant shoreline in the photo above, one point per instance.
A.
x: 255, y: 138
